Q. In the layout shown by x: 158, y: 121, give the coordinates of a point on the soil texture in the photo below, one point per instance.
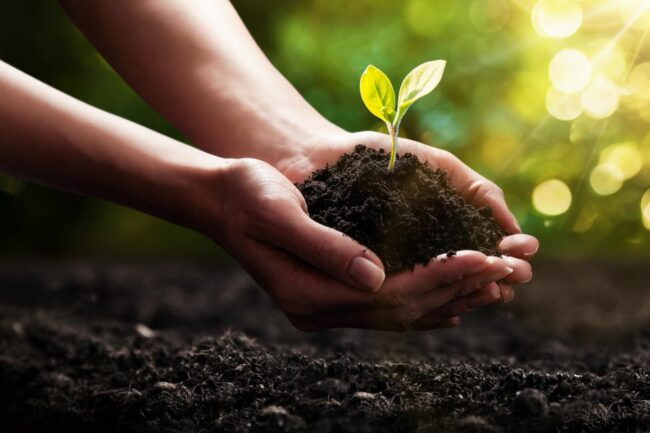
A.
x: 180, y: 348
x: 407, y: 216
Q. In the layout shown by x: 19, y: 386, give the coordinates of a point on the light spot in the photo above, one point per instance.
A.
x: 625, y: 156
x: 563, y: 106
x: 645, y: 209
x: 600, y: 98
x: 552, y: 197
x: 428, y: 17
x: 570, y: 71
x: 608, y: 59
x: 606, y: 179
x: 639, y: 81
x: 556, y: 18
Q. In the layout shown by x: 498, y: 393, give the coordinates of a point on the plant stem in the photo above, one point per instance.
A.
x: 393, y: 149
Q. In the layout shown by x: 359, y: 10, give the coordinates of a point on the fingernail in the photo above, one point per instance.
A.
x: 366, y: 274
x: 497, y: 275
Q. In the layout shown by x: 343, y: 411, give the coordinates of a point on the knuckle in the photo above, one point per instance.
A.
x: 267, y: 205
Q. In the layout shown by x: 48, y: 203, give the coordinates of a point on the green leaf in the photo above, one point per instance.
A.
x: 378, y: 94
x: 418, y: 83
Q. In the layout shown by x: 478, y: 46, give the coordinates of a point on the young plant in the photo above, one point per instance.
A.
x: 379, y: 96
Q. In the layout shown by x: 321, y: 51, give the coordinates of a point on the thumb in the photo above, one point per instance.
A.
x: 328, y: 250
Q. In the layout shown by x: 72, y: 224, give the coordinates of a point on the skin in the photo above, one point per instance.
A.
x: 200, y: 68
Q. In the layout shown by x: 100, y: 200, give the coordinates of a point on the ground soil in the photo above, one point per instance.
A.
x: 181, y: 348
x: 406, y: 216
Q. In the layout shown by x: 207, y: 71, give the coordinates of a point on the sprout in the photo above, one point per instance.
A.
x: 379, y: 96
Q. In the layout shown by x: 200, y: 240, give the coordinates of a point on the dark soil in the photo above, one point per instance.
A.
x: 170, y: 348
x: 406, y: 216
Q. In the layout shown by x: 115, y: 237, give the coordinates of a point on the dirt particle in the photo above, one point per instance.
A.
x: 144, y: 331
x: 167, y: 386
x: 274, y: 410
x: 363, y: 395
x: 530, y: 402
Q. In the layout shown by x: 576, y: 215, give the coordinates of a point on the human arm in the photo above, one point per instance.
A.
x: 197, y: 64
x: 245, y: 205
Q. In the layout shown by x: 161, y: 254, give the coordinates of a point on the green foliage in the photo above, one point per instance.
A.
x: 491, y: 112
x: 379, y: 96
x: 418, y: 83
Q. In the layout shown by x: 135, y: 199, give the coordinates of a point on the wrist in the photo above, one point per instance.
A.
x: 200, y: 190
x: 277, y: 136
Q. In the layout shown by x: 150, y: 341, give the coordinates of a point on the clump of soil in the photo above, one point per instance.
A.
x: 406, y: 216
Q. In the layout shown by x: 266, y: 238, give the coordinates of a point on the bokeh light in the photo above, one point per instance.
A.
x: 639, y: 81
x: 606, y: 179
x: 570, y: 71
x: 429, y: 17
x: 565, y: 98
x: 601, y: 97
x: 556, y: 18
x: 563, y: 106
x: 552, y: 197
x: 625, y: 156
x: 645, y: 209
x: 608, y: 59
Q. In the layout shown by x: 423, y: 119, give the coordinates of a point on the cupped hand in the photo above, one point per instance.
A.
x: 323, y: 279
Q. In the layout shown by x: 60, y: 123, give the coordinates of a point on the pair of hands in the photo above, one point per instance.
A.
x: 322, y: 279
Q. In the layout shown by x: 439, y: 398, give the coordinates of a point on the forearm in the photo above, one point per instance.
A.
x: 196, y: 63
x: 51, y: 138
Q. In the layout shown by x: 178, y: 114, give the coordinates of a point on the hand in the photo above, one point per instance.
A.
x: 322, y: 279
x: 198, y: 47
x: 517, y: 248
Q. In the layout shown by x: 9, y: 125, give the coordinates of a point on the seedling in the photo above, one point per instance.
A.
x: 379, y: 96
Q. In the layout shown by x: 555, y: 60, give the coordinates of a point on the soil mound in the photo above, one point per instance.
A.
x: 406, y: 216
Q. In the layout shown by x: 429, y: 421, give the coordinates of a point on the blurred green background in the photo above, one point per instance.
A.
x: 549, y: 98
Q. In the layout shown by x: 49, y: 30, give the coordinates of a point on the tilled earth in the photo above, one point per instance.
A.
x: 104, y: 347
